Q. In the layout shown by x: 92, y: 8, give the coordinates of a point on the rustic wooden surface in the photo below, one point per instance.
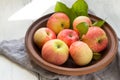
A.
x: 106, y: 9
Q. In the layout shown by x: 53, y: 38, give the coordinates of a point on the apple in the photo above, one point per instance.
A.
x: 58, y: 21
x: 96, y: 39
x: 81, y: 19
x: 68, y: 36
x: 81, y: 53
x: 55, y: 51
x: 43, y: 35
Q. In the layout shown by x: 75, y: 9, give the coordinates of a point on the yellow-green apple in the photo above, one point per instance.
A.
x: 43, y: 35
x: 81, y: 53
x: 68, y: 36
x: 58, y: 21
x: 81, y: 19
x: 96, y: 39
x: 55, y: 51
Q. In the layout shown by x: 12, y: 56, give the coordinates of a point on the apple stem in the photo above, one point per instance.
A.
x: 48, y: 33
x: 99, y: 41
x: 62, y: 25
x: 58, y: 46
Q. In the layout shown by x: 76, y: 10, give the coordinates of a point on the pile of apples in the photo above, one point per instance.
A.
x: 57, y: 41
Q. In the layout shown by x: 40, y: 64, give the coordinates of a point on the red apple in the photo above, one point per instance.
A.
x: 81, y: 19
x: 55, y: 51
x: 43, y: 35
x: 81, y: 53
x: 58, y: 21
x: 68, y: 36
x: 96, y: 39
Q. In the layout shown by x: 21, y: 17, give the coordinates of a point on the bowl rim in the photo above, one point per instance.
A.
x: 69, y: 71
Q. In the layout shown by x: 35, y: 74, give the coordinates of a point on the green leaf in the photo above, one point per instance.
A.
x: 80, y: 7
x: 72, y: 17
x: 82, y: 28
x: 97, y: 56
x: 99, y: 23
x: 61, y: 7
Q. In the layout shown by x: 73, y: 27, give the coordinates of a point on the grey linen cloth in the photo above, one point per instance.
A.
x: 15, y: 51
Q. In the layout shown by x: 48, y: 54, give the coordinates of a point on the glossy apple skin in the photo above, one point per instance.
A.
x: 96, y: 39
x: 42, y: 35
x: 68, y: 36
x: 58, y: 21
x: 81, y: 19
x: 81, y: 53
x: 55, y: 51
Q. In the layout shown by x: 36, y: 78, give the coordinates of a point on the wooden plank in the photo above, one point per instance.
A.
x: 11, y: 71
x: 5, y: 69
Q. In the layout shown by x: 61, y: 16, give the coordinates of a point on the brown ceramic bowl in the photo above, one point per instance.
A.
x: 70, y: 68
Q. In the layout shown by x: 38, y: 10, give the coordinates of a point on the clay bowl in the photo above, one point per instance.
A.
x: 70, y: 68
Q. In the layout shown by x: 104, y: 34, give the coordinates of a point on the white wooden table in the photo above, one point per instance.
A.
x: 16, y: 29
x: 13, y: 30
